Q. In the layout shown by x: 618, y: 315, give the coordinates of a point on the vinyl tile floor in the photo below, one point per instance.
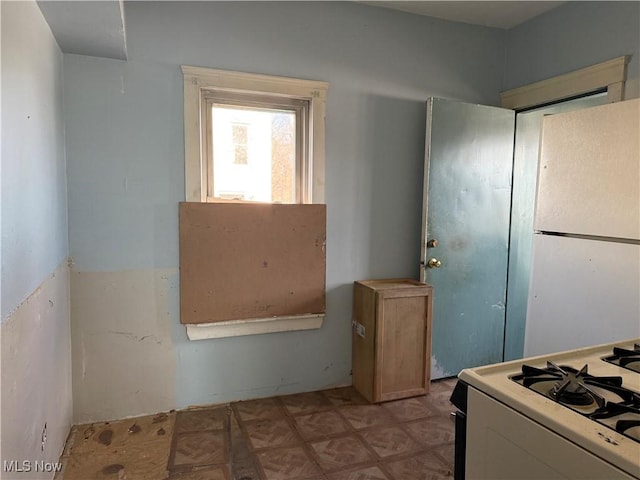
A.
x: 330, y: 435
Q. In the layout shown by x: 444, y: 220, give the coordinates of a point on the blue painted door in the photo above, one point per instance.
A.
x: 467, y: 197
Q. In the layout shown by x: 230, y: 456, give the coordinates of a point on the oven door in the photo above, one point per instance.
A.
x: 502, y: 444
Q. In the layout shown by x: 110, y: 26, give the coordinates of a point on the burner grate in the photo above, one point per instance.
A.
x: 625, y: 358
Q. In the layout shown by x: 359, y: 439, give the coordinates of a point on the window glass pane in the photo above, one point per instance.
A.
x: 254, y: 154
x: 240, y: 136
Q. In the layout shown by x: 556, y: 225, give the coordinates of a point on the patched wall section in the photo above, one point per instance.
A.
x: 123, y: 355
x: 36, y: 377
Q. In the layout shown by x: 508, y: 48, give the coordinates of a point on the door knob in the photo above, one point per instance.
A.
x: 434, y: 263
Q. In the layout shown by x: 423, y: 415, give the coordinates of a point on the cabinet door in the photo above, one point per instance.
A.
x: 403, y: 344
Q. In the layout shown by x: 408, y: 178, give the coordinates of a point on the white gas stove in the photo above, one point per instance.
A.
x: 569, y: 415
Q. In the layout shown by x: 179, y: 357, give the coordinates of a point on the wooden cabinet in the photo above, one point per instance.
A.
x: 391, y: 338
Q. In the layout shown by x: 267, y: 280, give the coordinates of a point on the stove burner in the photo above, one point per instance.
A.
x: 625, y: 358
x: 602, y: 399
x: 575, y: 389
x: 571, y: 388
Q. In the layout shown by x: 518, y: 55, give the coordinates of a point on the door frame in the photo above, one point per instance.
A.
x: 610, y: 75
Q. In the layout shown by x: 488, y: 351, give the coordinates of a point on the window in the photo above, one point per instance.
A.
x: 255, y: 148
x: 248, y: 139
x: 253, y: 138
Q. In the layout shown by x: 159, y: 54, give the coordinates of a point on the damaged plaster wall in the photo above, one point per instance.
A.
x: 36, y: 376
x: 123, y: 358
x: 125, y: 153
x: 35, y: 330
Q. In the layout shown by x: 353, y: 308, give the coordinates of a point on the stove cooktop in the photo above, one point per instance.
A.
x: 603, y: 399
x: 605, y: 425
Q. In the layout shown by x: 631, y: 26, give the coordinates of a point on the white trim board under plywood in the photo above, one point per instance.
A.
x: 254, y: 326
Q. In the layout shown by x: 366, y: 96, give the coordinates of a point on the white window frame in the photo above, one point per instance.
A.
x: 200, y: 82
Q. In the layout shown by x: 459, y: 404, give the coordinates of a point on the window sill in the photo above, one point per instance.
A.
x: 254, y: 326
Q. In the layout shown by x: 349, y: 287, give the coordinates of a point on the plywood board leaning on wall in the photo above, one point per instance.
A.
x: 242, y: 261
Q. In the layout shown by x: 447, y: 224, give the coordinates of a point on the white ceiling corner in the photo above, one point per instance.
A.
x: 95, y: 28
x: 497, y: 14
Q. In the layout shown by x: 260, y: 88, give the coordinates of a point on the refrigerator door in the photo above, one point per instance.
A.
x: 589, y: 172
x: 582, y: 292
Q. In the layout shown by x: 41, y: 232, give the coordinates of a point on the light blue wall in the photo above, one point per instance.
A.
x: 125, y: 155
x: 34, y: 193
x: 126, y: 163
x: 573, y: 36
x: 381, y: 66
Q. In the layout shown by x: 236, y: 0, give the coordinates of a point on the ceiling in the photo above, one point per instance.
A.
x: 500, y: 14
x: 94, y: 28
x: 97, y: 28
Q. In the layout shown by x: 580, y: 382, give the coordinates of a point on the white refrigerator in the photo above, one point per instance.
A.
x: 585, y: 271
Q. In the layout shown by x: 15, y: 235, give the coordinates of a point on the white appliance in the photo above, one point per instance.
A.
x: 585, y: 272
x: 577, y: 417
